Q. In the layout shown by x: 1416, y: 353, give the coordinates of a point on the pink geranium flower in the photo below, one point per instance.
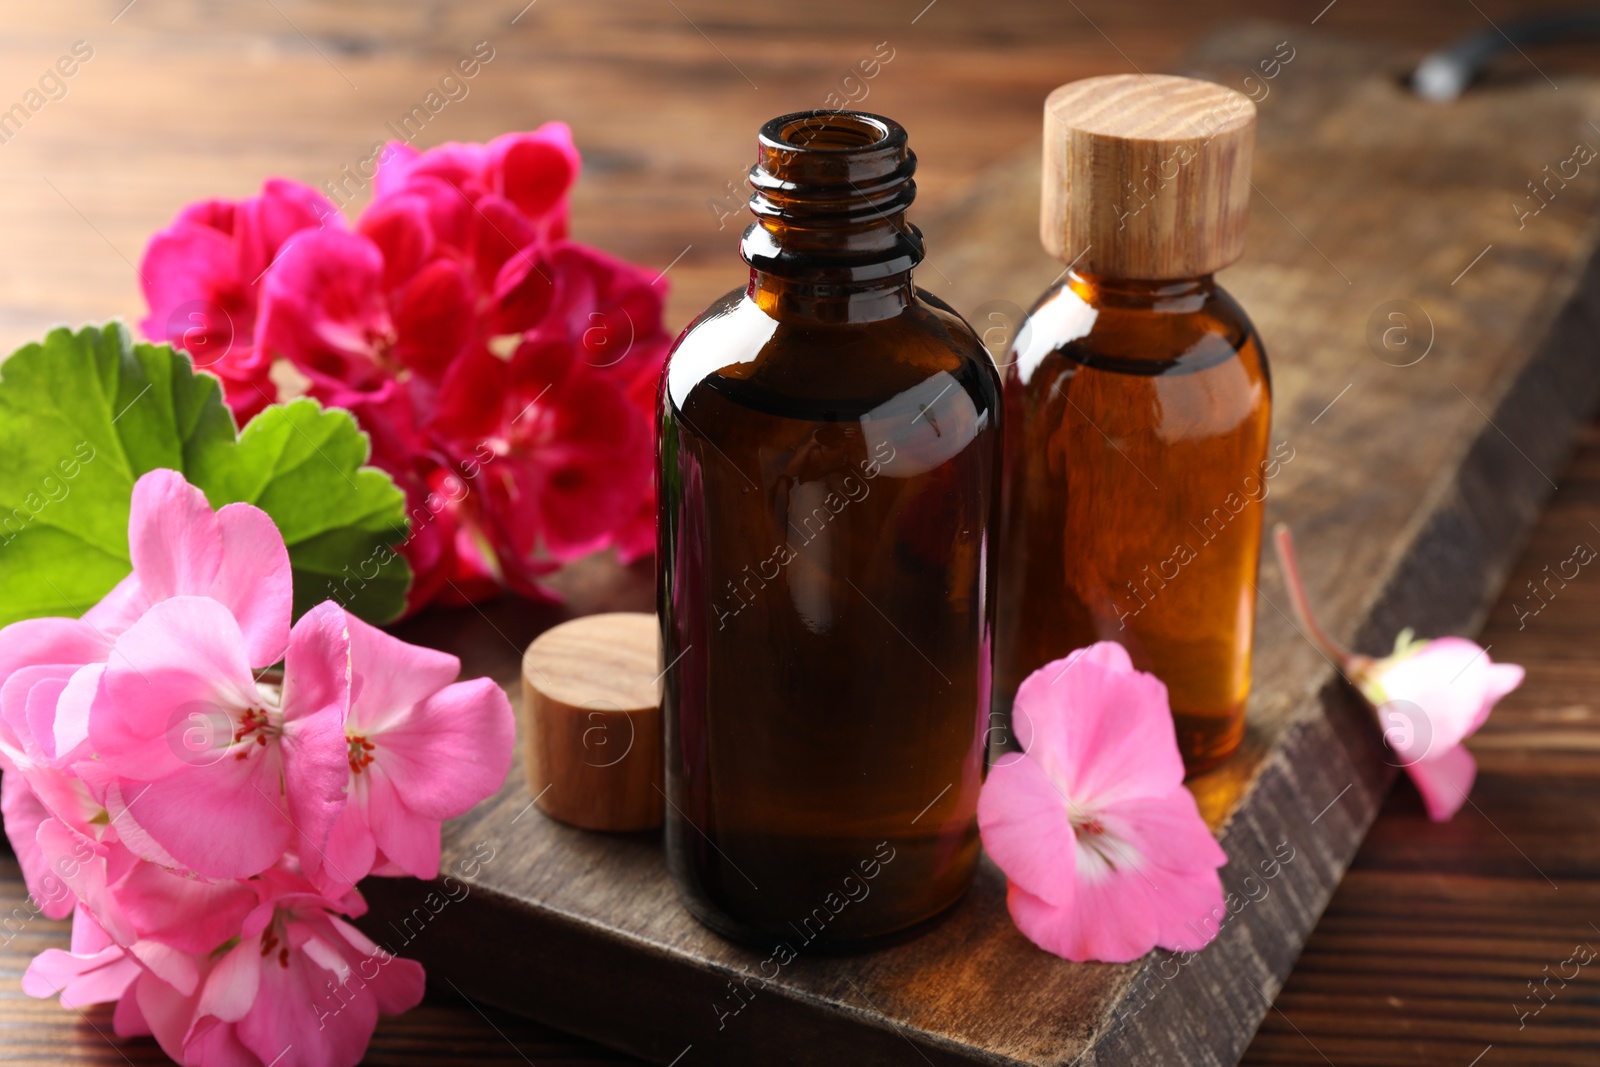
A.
x: 183, y: 809
x: 1104, y: 850
x: 1429, y: 696
x: 162, y: 919
x: 218, y: 772
x: 421, y: 750
x: 50, y: 669
x: 200, y: 277
x: 298, y: 977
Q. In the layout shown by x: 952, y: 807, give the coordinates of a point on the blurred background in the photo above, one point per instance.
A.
x: 184, y: 99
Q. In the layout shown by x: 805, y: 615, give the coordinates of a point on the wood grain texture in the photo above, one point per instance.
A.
x: 1146, y: 176
x: 591, y: 721
x: 1397, y: 527
x: 193, y: 98
x: 1437, y: 930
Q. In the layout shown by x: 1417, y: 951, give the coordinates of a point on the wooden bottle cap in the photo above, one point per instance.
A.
x: 1146, y: 177
x: 591, y: 697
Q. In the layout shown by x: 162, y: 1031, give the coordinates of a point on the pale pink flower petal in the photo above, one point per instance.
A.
x: 28, y: 706
x: 1428, y: 696
x: 128, y: 1021
x: 213, y: 1043
x: 172, y: 536
x: 420, y: 750
x: 351, y: 850
x: 39, y: 641
x: 453, y: 751
x: 409, y: 840
x: 1193, y: 912
x: 1129, y: 754
x: 255, y: 580
x: 167, y: 1013
x: 400, y: 984
x: 1105, y: 850
x: 118, y: 610
x: 175, y: 670
x: 181, y: 547
x: 60, y: 646
x: 392, y: 676
x: 316, y: 700
x: 185, y: 913
x: 180, y: 712
x: 1445, y: 678
x: 1020, y: 815
x: 1143, y: 877
x: 1501, y: 679
x: 80, y: 980
x: 1108, y: 922
x: 233, y: 984
x: 24, y: 813
x: 1444, y: 780
x: 82, y: 864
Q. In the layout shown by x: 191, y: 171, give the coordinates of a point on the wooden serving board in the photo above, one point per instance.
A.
x: 1410, y: 488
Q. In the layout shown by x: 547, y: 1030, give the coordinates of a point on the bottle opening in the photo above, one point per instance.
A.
x: 830, y: 131
x: 833, y: 154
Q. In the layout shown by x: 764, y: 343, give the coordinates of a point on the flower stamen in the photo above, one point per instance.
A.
x: 360, y: 753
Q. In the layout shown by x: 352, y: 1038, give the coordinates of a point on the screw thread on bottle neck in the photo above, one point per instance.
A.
x: 830, y: 193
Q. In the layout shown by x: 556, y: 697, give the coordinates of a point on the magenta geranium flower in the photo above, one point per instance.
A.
x: 456, y: 292
x: 201, y: 280
x: 1104, y: 850
x: 1429, y: 696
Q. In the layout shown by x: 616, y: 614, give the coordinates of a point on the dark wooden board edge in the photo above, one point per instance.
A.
x: 777, y: 1026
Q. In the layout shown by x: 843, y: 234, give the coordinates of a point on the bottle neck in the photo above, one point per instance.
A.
x: 1171, y: 295
x: 830, y: 242
x: 867, y: 301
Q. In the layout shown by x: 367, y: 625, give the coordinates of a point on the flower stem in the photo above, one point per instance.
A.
x: 1283, y: 541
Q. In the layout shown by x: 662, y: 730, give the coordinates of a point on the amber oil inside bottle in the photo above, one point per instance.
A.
x: 829, y: 471
x: 1137, y: 418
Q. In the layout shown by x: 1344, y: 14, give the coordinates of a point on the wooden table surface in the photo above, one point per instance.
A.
x: 1427, y: 952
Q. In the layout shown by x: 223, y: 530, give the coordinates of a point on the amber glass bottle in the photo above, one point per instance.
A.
x: 829, y: 458
x: 1137, y: 405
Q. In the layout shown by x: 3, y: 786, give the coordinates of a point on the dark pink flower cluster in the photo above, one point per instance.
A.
x: 505, y: 374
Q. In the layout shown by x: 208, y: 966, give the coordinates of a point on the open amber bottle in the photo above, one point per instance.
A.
x: 829, y: 471
x: 1137, y: 405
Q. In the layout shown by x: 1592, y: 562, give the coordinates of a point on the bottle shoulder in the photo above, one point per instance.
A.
x: 737, y: 348
x: 1162, y: 339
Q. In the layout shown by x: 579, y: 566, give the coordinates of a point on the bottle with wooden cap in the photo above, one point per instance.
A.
x: 1137, y: 404
x: 829, y: 490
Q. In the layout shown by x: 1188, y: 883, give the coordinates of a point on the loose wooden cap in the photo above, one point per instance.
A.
x: 591, y: 698
x: 1146, y: 177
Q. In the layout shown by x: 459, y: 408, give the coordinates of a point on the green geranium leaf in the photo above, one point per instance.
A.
x: 83, y: 415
